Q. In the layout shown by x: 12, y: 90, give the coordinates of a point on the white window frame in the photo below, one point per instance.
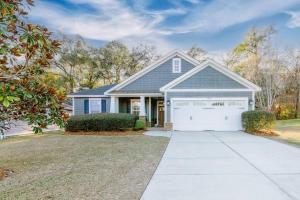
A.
x: 90, y: 105
x: 174, y: 70
x: 131, y: 103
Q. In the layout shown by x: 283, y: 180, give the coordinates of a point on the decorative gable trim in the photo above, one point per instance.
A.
x: 217, y: 66
x: 151, y: 67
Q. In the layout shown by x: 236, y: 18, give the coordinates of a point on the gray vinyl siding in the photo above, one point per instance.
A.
x: 158, y: 77
x: 79, y: 105
x: 204, y: 95
x: 209, y: 78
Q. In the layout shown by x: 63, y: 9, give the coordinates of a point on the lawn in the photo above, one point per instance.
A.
x: 289, y: 130
x: 57, y: 166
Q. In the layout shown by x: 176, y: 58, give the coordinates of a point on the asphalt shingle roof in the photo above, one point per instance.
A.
x: 95, y: 91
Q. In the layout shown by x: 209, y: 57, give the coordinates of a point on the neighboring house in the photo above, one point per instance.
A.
x: 178, y: 93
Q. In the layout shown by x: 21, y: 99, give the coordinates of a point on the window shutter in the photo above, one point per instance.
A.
x: 86, y: 106
x: 103, y: 105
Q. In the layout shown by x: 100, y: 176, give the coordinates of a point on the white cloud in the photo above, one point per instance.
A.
x: 220, y: 14
x: 115, y: 20
x: 294, y: 21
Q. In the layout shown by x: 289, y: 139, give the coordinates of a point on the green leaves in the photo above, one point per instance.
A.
x: 8, y: 100
x: 5, y: 103
x: 23, y: 93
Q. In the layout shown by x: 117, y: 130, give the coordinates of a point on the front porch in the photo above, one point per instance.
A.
x: 151, y: 109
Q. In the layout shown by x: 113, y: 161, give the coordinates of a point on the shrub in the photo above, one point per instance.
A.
x: 139, y: 125
x: 258, y: 121
x: 285, y: 112
x: 101, y: 122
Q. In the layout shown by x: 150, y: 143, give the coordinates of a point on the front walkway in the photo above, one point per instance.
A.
x: 225, y: 165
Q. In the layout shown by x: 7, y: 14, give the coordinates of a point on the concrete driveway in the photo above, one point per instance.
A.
x: 225, y: 165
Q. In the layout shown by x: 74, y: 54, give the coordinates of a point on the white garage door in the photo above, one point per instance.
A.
x: 208, y: 114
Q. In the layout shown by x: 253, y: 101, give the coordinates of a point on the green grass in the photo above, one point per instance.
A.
x: 57, y: 166
x: 288, y: 131
x: 287, y: 123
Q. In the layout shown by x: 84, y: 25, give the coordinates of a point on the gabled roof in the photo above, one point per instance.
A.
x: 96, y: 92
x: 153, y: 66
x: 211, y: 63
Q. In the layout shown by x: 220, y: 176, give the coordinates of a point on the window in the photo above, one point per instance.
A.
x: 176, y: 65
x: 95, y: 106
x: 135, y: 106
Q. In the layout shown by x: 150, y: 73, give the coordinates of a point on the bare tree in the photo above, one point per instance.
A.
x: 293, y: 68
x: 197, y: 53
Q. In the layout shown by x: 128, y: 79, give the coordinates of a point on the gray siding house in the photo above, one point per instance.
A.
x: 178, y: 93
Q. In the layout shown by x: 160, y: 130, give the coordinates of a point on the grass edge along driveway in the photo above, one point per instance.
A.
x: 288, y: 131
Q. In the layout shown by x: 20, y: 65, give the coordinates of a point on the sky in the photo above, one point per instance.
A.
x: 214, y: 25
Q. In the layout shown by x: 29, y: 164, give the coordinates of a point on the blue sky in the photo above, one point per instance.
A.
x: 214, y: 25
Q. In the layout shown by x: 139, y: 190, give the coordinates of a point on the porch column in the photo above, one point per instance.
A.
x: 142, y: 109
x: 142, y: 115
x: 149, y: 111
x: 114, y: 104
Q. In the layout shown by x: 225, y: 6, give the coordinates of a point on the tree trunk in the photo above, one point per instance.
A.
x: 297, y: 109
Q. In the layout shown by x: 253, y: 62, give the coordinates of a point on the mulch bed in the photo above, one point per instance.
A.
x: 265, y: 133
x: 5, y: 173
x: 107, y: 133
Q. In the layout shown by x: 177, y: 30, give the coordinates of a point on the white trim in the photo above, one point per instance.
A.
x: 208, y: 98
x: 179, y: 65
x: 74, y: 96
x: 166, y: 108
x: 205, y: 98
x: 209, y: 90
x: 253, y: 100
x: 137, y: 94
x: 149, y: 110
x: 93, y: 99
x: 131, y: 100
x: 216, y: 66
x: 112, y: 107
x: 73, y: 106
x: 151, y: 67
x: 142, y: 106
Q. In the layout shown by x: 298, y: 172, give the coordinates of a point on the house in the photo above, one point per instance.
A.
x: 178, y: 93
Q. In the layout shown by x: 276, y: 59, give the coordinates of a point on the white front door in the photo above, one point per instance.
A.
x: 208, y: 114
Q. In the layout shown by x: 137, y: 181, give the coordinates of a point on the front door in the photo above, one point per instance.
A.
x: 161, y: 113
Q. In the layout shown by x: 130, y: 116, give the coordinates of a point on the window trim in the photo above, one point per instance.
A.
x: 132, y: 100
x: 92, y: 99
x: 179, y: 65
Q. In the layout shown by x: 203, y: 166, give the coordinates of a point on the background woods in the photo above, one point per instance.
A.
x: 275, y: 71
x: 82, y: 66
x: 256, y: 58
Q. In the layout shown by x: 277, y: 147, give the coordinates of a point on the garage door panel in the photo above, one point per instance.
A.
x: 199, y: 114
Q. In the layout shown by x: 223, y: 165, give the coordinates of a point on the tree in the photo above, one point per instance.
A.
x: 255, y: 60
x: 115, y: 59
x: 248, y: 54
x: 141, y: 56
x: 26, y: 53
x: 293, y: 68
x: 118, y: 62
x: 197, y: 53
x: 73, y: 56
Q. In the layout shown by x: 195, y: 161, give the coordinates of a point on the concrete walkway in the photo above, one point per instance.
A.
x: 225, y: 166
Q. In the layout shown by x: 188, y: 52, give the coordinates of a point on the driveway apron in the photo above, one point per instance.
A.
x: 225, y: 166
